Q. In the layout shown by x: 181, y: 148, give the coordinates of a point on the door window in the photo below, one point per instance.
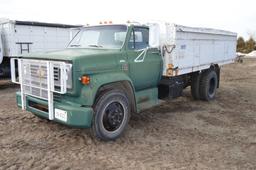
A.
x: 139, y: 38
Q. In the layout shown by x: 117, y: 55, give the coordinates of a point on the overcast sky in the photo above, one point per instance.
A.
x: 233, y: 15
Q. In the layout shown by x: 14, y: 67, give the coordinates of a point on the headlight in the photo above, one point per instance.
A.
x: 69, y: 78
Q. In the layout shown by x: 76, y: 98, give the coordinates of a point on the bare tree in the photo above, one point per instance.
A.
x: 252, y: 33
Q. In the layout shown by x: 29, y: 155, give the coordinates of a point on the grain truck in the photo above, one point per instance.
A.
x: 21, y: 37
x: 110, y: 71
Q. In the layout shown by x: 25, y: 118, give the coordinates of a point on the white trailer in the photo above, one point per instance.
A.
x: 189, y: 49
x: 22, y: 37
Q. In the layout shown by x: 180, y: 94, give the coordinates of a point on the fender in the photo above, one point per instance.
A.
x: 88, y: 93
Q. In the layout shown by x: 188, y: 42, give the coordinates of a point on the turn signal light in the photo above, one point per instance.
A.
x: 85, y: 80
x: 169, y: 72
x: 170, y: 66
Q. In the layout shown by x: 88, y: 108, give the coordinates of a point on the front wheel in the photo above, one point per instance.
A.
x: 111, y: 117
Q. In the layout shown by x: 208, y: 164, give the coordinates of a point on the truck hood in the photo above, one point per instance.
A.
x: 86, y: 60
x: 70, y: 54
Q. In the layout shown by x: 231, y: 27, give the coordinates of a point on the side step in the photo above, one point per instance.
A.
x: 146, y: 99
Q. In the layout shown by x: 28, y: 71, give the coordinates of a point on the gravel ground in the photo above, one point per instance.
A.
x: 178, y: 134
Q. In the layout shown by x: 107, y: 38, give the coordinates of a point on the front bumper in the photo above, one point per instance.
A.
x: 77, y: 116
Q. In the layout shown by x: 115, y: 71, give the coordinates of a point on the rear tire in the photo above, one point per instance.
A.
x: 208, y: 85
x: 195, y: 82
x: 112, y: 114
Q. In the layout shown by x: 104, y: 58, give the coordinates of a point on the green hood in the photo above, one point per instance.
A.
x: 69, y: 54
x: 89, y: 60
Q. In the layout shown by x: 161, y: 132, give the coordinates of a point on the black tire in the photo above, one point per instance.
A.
x: 208, y: 85
x: 111, y: 115
x: 195, y: 82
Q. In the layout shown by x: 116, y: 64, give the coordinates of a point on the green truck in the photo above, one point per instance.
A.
x: 109, y: 71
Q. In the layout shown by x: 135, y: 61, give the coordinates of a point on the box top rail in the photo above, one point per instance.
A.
x: 35, y: 23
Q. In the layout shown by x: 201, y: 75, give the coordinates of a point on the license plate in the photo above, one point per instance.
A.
x: 61, y: 115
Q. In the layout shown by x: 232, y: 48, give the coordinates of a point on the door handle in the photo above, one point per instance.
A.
x: 155, y: 52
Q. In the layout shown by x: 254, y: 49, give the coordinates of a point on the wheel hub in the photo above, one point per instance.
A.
x: 113, y: 116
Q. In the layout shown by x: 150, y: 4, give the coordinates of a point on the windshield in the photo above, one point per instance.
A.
x: 107, y: 36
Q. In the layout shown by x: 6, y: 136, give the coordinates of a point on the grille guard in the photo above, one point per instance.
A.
x: 40, y: 79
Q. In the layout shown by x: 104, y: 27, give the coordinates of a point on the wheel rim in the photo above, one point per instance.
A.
x: 212, y: 86
x: 113, y: 116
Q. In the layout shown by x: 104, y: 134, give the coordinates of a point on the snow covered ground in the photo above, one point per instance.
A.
x: 251, y: 54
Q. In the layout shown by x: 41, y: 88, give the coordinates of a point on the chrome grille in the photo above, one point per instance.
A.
x: 56, y: 74
x: 35, y: 77
x: 41, y: 79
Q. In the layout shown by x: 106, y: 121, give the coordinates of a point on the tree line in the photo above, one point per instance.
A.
x: 246, y: 46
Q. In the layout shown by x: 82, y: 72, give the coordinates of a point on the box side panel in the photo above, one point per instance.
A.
x: 40, y: 38
x: 9, y: 49
x: 196, y: 51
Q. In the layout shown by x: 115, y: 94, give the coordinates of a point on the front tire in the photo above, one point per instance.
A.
x: 112, y: 114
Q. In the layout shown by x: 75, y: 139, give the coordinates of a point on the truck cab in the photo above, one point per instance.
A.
x: 106, y: 73
x: 105, y: 60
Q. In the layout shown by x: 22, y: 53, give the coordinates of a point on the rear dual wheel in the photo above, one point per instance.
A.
x: 204, y: 85
x: 195, y: 86
x: 208, y: 85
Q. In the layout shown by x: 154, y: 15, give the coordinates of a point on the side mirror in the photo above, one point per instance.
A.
x: 154, y: 35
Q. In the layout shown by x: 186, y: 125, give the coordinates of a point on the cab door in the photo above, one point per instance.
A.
x: 145, y: 64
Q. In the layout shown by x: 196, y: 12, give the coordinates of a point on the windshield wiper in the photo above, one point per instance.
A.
x: 75, y: 45
x: 94, y: 45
